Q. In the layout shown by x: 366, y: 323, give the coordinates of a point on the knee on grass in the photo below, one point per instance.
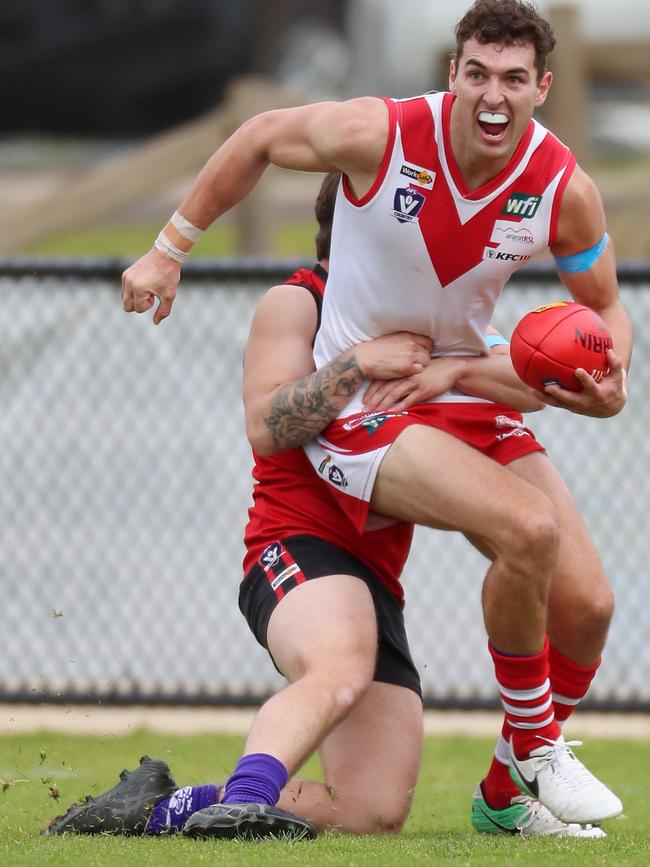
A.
x: 370, y: 812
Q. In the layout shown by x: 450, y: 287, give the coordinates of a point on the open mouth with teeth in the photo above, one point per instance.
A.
x: 493, y: 125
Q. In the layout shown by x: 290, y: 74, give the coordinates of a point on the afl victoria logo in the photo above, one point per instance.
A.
x: 271, y: 555
x: 407, y: 204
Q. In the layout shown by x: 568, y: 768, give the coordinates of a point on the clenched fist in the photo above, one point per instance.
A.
x: 154, y: 275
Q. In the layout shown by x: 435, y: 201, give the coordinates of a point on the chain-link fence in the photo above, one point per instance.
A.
x: 124, y: 484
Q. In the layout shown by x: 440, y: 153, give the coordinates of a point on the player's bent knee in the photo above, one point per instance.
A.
x: 393, y: 818
x: 385, y: 817
x: 341, y: 689
x: 595, y: 613
x: 349, y: 691
x: 347, y: 696
x: 533, y: 544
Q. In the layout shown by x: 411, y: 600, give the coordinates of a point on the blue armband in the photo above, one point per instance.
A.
x: 495, y: 340
x: 581, y: 261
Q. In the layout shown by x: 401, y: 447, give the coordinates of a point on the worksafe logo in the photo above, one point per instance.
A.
x: 522, y: 205
x: 418, y: 175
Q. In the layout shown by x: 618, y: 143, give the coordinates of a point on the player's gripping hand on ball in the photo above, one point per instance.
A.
x: 154, y: 275
x: 597, y: 399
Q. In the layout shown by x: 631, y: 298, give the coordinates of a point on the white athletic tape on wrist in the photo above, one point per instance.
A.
x: 177, y: 238
x: 188, y: 230
x: 164, y: 245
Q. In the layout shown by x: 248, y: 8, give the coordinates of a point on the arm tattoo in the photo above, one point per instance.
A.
x: 303, y: 409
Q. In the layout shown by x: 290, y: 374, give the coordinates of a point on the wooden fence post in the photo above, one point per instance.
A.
x: 566, y: 105
x: 253, y: 218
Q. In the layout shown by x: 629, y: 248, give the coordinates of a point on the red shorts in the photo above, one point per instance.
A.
x: 348, y: 453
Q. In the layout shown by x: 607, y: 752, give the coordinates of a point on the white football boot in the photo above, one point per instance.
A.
x: 555, y: 777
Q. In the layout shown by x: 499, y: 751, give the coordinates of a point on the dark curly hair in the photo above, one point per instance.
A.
x: 506, y: 22
x: 324, y: 211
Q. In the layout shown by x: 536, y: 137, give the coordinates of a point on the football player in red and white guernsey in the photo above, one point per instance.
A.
x: 324, y: 638
x: 444, y: 196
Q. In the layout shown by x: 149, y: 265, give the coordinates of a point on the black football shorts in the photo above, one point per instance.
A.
x: 287, y: 562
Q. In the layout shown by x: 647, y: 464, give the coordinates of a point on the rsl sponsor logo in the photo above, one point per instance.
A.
x: 516, y: 238
x: 511, y: 242
x: 407, y: 204
x: 418, y: 176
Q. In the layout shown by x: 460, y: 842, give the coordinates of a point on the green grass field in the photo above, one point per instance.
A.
x: 437, y: 832
x: 289, y: 240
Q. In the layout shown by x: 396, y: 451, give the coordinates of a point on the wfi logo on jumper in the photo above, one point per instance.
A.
x: 522, y: 205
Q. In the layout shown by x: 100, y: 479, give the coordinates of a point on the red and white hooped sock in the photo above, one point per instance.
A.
x: 525, y: 689
x: 570, y: 682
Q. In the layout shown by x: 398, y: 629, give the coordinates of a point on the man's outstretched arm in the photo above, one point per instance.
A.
x: 349, y: 136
